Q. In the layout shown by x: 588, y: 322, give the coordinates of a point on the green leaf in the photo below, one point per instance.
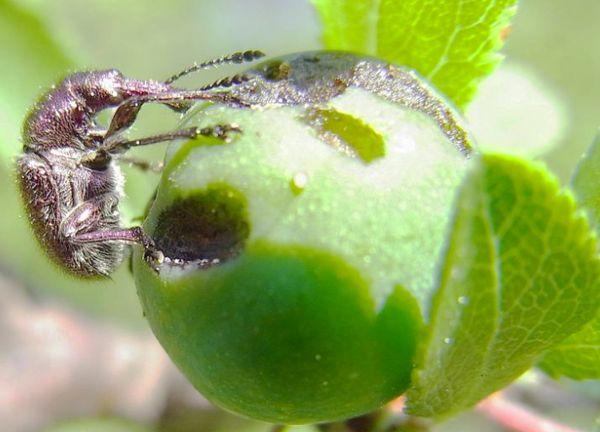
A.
x: 452, y: 43
x: 578, y: 357
x: 520, y: 275
x: 349, y: 25
x: 31, y: 61
x: 586, y: 183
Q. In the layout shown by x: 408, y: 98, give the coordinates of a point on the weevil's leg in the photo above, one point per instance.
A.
x: 220, y: 131
x: 180, y: 107
x: 129, y: 235
x: 83, y: 225
x: 127, y: 112
x: 120, y: 145
x: 86, y: 216
x: 124, y: 116
x: 95, y: 135
x: 238, y: 57
x: 143, y: 165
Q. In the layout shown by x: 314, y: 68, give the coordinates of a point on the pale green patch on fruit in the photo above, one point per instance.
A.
x: 345, y: 207
x: 520, y: 275
x: 452, y: 43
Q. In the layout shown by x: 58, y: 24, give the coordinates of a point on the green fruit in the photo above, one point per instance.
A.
x: 301, y: 254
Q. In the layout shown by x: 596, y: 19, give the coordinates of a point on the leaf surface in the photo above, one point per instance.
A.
x: 578, y: 357
x: 586, y: 183
x: 452, y: 43
x: 520, y: 275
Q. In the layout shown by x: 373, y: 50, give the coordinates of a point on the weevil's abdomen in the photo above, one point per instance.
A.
x: 48, y: 197
x: 40, y: 195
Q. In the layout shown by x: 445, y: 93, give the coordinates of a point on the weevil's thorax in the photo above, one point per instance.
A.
x: 53, y: 184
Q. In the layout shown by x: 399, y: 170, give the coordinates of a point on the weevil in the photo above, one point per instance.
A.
x: 68, y: 173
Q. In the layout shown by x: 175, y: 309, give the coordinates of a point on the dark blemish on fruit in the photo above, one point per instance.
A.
x: 206, y: 227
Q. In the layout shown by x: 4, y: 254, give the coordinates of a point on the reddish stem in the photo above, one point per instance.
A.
x: 514, y: 416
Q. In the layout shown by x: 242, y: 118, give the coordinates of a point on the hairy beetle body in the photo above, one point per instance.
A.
x: 56, y: 190
x: 63, y: 196
x: 68, y: 174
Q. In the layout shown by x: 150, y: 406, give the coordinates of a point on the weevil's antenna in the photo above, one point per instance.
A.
x: 227, y: 81
x: 235, y: 58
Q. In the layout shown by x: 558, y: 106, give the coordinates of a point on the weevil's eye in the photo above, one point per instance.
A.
x: 99, y: 162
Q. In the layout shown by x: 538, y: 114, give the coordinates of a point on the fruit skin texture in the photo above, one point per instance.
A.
x: 311, y: 310
x: 285, y: 334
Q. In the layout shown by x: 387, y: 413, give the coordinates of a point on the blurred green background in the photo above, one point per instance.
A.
x: 546, y: 96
